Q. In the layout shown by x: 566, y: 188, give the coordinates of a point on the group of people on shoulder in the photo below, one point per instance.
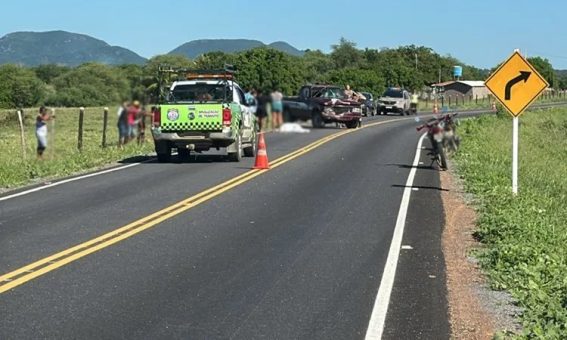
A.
x: 132, y: 122
x: 262, y: 101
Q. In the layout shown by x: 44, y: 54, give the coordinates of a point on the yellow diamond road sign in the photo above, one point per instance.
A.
x: 516, y: 84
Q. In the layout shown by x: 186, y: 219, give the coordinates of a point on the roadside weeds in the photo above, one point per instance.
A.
x: 475, y: 311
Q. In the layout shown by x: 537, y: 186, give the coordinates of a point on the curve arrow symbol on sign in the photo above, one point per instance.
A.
x: 524, y: 75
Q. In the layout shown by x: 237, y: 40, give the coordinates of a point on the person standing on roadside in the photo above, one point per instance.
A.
x: 41, y: 130
x: 277, y: 109
x: 414, y: 102
x: 261, y: 111
x: 133, y: 113
x: 142, y: 123
x: 122, y: 124
x: 249, y: 96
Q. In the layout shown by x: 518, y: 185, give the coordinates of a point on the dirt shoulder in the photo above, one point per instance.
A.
x: 475, y: 311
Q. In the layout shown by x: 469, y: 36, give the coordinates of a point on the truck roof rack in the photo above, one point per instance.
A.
x: 168, y: 74
x: 227, y: 73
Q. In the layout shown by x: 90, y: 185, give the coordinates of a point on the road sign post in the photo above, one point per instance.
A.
x: 515, y: 125
x: 516, y: 84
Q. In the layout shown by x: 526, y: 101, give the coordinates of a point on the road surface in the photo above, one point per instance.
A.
x: 296, y: 252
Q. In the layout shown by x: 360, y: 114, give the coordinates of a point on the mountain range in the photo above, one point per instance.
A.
x: 60, y: 47
x: 195, y: 48
x: 72, y: 49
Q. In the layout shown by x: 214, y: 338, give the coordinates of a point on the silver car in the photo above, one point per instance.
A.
x: 395, y: 100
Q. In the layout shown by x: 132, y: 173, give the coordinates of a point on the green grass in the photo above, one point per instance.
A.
x: 525, y: 236
x: 62, y: 157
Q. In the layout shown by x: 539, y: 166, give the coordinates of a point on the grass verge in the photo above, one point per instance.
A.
x: 525, y: 236
x: 62, y: 156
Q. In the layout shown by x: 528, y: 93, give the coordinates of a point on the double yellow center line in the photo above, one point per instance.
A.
x: 45, y: 265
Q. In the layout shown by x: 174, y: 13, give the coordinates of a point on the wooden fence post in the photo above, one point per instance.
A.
x: 80, y: 134
x: 104, y: 124
x: 22, y: 136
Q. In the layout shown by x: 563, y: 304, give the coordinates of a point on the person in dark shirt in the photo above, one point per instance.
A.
x: 142, y: 123
x: 261, y: 111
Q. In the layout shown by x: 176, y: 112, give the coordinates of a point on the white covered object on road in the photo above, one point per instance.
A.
x: 293, y: 128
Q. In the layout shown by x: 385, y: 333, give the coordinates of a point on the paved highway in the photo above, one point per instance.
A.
x: 296, y: 252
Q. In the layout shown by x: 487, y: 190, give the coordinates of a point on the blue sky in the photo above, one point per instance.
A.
x: 478, y: 32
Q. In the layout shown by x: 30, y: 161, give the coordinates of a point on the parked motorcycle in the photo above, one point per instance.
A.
x: 441, y: 132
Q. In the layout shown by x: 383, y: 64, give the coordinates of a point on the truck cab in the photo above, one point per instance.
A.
x: 323, y: 104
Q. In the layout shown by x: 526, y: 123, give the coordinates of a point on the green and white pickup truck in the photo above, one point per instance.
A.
x: 204, y: 110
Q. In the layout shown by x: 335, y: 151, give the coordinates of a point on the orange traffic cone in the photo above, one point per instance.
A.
x: 262, y: 155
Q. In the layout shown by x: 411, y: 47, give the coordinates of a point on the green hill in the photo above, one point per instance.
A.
x: 196, y: 48
x: 63, y: 48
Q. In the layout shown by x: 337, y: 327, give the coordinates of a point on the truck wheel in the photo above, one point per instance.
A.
x: 237, y: 155
x: 250, y: 151
x: 163, y: 151
x: 352, y: 124
x: 317, y: 120
x: 183, y: 154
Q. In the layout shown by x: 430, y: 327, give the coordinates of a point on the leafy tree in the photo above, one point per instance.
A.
x: 268, y: 69
x: 562, y: 82
x: 19, y: 87
x: 316, y: 64
x: 90, y: 85
x: 48, y: 72
x: 215, y: 60
x: 345, y: 54
x: 151, y: 81
x: 137, y: 81
x: 361, y: 80
x: 543, y: 66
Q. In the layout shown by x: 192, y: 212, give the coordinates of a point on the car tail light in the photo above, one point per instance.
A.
x: 157, y: 117
x: 226, y: 117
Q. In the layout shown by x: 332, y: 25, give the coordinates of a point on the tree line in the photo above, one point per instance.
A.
x: 372, y: 70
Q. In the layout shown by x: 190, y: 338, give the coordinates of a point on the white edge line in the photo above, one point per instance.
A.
x: 378, y: 317
x: 46, y: 186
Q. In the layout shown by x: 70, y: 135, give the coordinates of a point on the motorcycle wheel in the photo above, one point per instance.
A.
x: 441, y: 156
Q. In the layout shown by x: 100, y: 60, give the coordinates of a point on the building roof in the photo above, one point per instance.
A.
x: 445, y: 83
x: 472, y: 83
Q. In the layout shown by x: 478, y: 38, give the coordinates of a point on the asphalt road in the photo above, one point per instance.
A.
x: 297, y: 252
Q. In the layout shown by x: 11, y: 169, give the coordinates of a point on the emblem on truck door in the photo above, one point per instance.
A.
x: 172, y: 114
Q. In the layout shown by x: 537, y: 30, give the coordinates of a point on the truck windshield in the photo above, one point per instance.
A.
x: 200, y: 92
x: 331, y: 93
x: 393, y: 93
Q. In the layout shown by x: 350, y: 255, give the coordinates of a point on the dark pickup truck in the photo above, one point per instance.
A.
x: 323, y: 104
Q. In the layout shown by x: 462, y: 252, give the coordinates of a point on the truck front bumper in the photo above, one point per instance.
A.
x: 331, y: 116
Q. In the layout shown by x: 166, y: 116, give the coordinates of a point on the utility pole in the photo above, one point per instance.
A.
x: 416, y: 61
